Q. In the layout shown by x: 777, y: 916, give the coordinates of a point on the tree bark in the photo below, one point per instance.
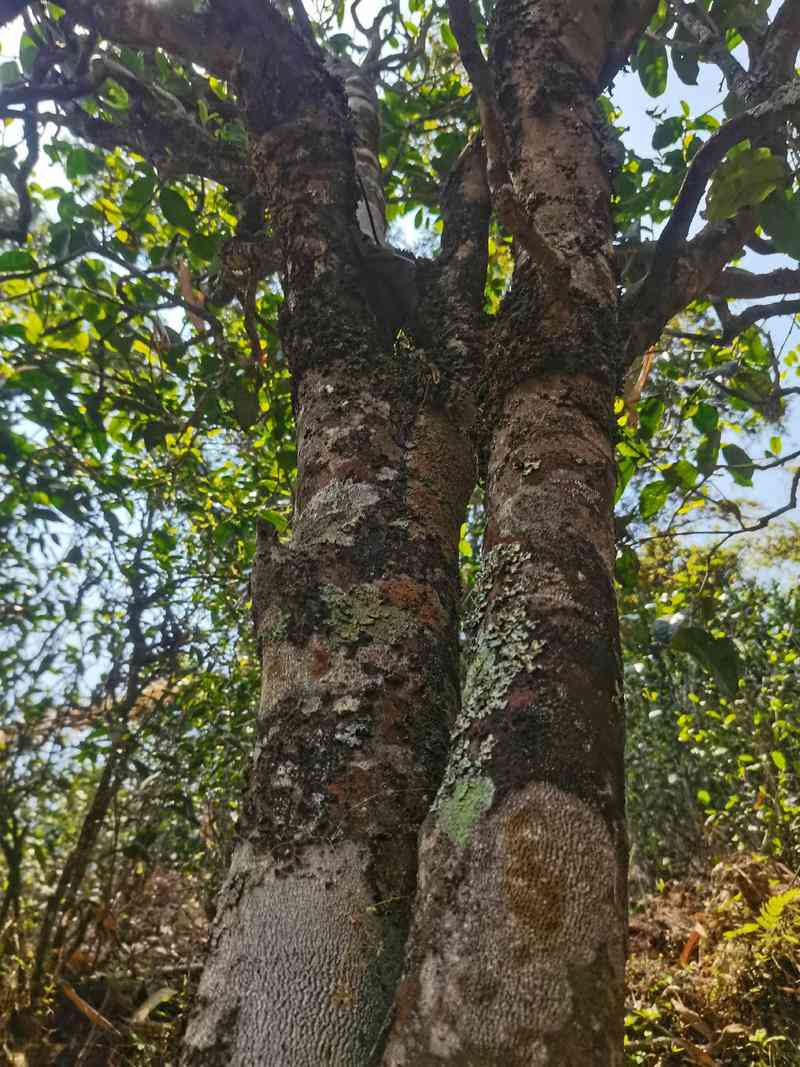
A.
x: 358, y: 618
x: 516, y: 954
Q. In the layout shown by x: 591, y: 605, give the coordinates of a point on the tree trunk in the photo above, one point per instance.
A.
x: 521, y: 901
x: 358, y: 618
x: 517, y: 950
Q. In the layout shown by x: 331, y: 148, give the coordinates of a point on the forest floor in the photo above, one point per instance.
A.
x: 713, y: 976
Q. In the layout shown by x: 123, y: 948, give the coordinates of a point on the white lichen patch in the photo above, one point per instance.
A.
x: 284, y: 671
x: 333, y: 514
x: 325, y: 911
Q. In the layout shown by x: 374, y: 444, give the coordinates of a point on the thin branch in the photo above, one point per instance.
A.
x: 647, y: 309
x: 758, y: 313
x: 711, y: 41
x: 18, y: 230
x: 760, y: 523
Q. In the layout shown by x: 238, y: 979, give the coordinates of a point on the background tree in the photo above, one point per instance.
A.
x: 214, y: 288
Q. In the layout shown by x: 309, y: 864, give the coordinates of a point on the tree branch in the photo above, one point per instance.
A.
x: 466, y: 207
x: 630, y: 20
x: 18, y: 230
x: 758, y: 313
x: 139, y: 24
x: 782, y: 41
x: 737, y: 284
x: 780, y: 107
x: 501, y: 186
x: 710, y: 41
x: 646, y: 310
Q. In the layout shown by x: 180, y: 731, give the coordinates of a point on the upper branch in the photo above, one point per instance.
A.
x: 18, y: 229
x: 710, y: 40
x: 509, y: 209
x: 630, y: 20
x: 466, y: 208
x: 767, y: 115
x: 693, y: 270
x: 736, y: 284
x: 480, y: 76
x: 139, y: 24
x: 269, y: 61
x: 782, y: 41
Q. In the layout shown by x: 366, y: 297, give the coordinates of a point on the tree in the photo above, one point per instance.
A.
x: 234, y: 141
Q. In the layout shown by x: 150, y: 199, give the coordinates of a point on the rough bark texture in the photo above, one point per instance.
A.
x: 358, y: 619
x: 517, y: 950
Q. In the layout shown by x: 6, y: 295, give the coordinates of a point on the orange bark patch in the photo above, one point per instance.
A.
x: 405, y: 1000
x: 356, y: 787
x: 522, y: 698
x: 320, y: 660
x: 532, y: 892
x: 415, y: 598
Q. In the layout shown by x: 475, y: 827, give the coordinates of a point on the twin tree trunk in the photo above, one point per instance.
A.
x: 432, y: 865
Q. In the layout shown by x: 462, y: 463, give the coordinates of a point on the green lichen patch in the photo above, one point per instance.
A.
x: 461, y: 810
x: 362, y: 611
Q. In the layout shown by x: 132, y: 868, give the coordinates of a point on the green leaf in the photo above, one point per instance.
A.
x: 652, y: 498
x: 339, y: 43
x: 164, y: 540
x: 17, y: 260
x: 203, y: 245
x: 27, y: 52
x: 176, y: 209
x: 667, y: 133
x: 717, y: 655
x: 681, y: 474
x: 81, y: 162
x: 626, y: 568
x: 740, y: 466
x: 245, y: 403
x: 275, y: 519
x: 138, y: 195
x: 744, y: 179
x: 686, y: 66
x: 708, y: 452
x: 224, y: 532
x: 10, y: 73
x: 778, y: 759
x: 651, y: 63
x: 448, y: 38
x: 706, y: 417
x: 779, y: 216
x: 650, y: 413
